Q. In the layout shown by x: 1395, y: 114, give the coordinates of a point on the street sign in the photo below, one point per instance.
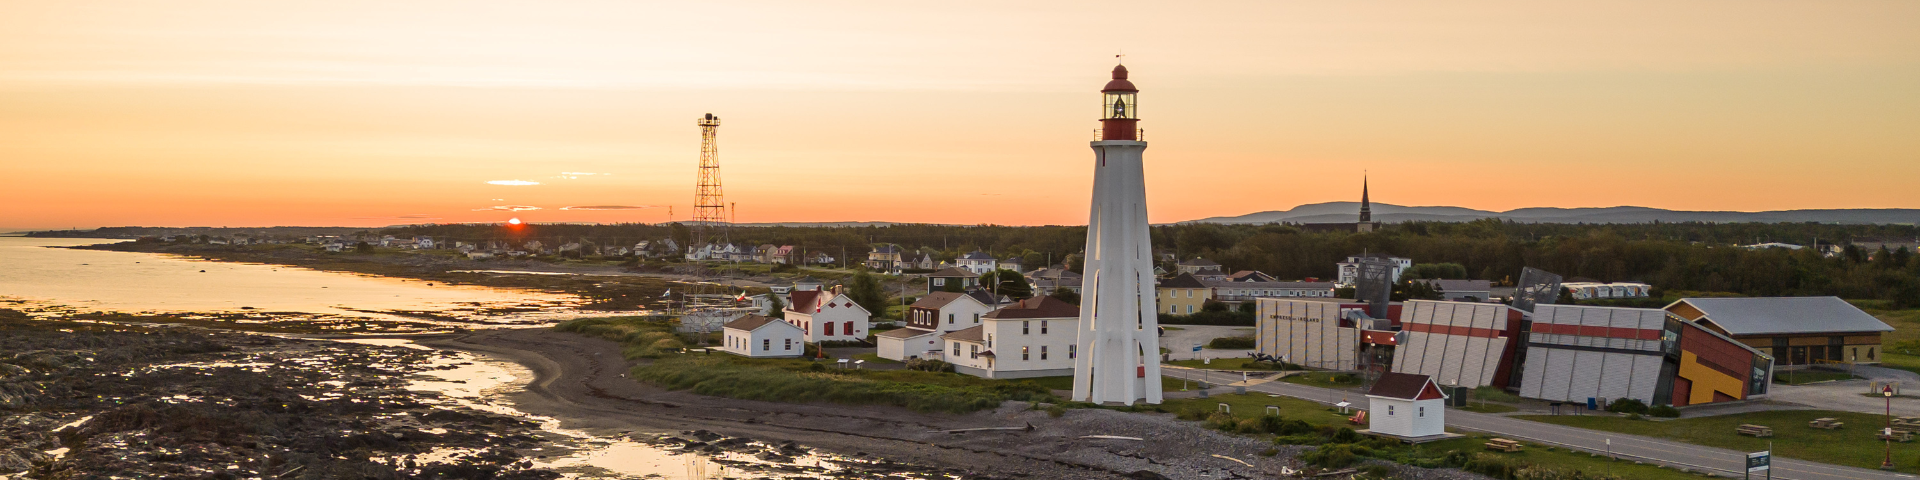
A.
x: 1196, y: 348
x: 1759, y: 461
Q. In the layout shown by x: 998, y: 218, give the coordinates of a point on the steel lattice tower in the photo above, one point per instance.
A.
x: 709, y: 200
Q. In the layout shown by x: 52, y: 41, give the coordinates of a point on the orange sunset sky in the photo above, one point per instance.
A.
x: 256, y: 113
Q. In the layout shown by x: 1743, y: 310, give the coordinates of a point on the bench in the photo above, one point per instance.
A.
x: 1504, y: 445
x: 1827, y: 423
x: 1754, y: 430
x: 1898, y: 436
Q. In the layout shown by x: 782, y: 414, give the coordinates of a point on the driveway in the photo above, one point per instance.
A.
x: 1847, y: 395
x: 1181, y: 341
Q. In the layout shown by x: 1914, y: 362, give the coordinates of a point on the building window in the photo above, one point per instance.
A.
x: 1071, y: 349
x: 939, y: 282
x: 949, y: 319
x: 1025, y: 325
x: 847, y: 329
x: 789, y: 344
x: 1043, y: 352
x: 989, y: 340
x: 1023, y: 353
x: 1423, y: 412
x: 976, y: 319
x: 973, y: 351
x: 766, y: 344
x: 1389, y: 410
x: 1189, y: 293
x: 956, y: 350
x: 1189, y: 309
x: 829, y: 329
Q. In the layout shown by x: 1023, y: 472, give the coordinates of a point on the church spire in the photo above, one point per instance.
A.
x: 1366, y: 207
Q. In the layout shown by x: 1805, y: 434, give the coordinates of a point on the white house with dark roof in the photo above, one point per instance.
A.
x: 932, y: 315
x: 1231, y: 291
x: 1197, y: 264
x: 1035, y: 337
x: 1407, y: 406
x: 827, y: 316
x: 1046, y: 280
x: 759, y: 336
x: 951, y: 279
x: 977, y: 262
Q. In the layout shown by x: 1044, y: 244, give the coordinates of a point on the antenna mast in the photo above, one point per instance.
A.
x: 709, y: 201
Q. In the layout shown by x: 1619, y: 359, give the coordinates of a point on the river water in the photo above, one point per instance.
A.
x: 73, y: 281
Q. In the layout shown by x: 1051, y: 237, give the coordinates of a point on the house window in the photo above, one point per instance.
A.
x: 1023, y: 353
x: 976, y: 319
x: 847, y: 329
x: 939, y: 282
x: 1070, y: 350
x: 1423, y: 412
x: 766, y: 344
x: 828, y: 330
x: 789, y: 344
x: 1043, y: 327
x: 1025, y: 326
x: 1389, y: 410
x: 1189, y: 309
x: 1189, y: 293
x: 989, y: 340
x: 949, y: 319
x: 956, y: 349
x: 973, y: 351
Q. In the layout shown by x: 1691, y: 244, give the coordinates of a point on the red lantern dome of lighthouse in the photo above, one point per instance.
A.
x: 1119, y: 114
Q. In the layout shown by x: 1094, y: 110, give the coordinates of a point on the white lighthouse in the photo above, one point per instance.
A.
x: 1119, y: 344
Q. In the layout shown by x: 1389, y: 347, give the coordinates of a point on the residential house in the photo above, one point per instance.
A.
x: 764, y: 253
x: 1350, y: 269
x: 784, y: 255
x: 1599, y: 290
x: 885, y: 258
x: 977, y: 262
x: 1406, y: 405
x: 1210, y: 275
x: 1011, y: 263
x: 1183, y: 294
x: 1197, y: 264
x: 820, y: 258
x: 951, y: 279
x: 1251, y: 276
x: 1035, y: 337
x: 927, y: 318
x: 1461, y: 290
x: 827, y: 315
x: 1046, y: 280
x: 917, y: 260
x: 759, y: 336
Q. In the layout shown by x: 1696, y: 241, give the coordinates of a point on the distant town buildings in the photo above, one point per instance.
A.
x: 1349, y: 271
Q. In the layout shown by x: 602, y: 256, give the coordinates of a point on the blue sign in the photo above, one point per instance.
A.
x: 1196, y: 348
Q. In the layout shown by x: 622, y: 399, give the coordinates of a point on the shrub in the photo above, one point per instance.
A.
x: 1381, y: 471
x: 1493, y: 465
x: 1626, y: 405
x: 1056, y: 411
x: 1346, y: 435
x: 928, y: 365
x: 1277, y: 425
x: 1269, y: 452
x: 1664, y: 411
x: 1231, y: 343
x: 1335, y: 455
x: 1221, y: 421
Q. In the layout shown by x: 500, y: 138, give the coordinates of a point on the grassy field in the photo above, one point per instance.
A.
x: 1808, y: 376
x: 1324, y: 379
x: 1854, y: 445
x: 1324, y: 418
x: 873, y: 358
x: 1488, y: 408
x: 796, y: 380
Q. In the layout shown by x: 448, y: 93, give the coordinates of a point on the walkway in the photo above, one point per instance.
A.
x: 1627, y: 447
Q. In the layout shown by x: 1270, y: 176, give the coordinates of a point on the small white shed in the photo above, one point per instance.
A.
x: 758, y: 336
x: 1406, y: 405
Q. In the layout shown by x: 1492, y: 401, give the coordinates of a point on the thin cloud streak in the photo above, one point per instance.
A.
x: 512, y: 183
x: 508, y: 208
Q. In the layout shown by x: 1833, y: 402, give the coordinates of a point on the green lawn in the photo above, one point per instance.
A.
x: 1172, y: 329
x: 1254, y: 405
x: 1804, y: 377
x: 1488, y: 408
x: 1324, y: 379
x: 873, y: 358
x: 1854, y: 445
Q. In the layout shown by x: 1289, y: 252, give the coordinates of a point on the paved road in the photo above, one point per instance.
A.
x: 1718, y: 460
x: 1181, y: 341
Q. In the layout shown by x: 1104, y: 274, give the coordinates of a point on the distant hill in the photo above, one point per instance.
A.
x: 1347, y: 212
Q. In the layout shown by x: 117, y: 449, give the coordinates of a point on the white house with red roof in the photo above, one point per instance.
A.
x: 757, y: 336
x: 827, y: 316
x: 1406, y: 405
x: 1030, y: 338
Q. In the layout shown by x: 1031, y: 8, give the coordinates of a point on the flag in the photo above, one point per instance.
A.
x: 742, y: 297
x: 669, y: 293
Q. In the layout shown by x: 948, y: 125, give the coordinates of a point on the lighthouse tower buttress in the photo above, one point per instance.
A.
x: 1118, y: 340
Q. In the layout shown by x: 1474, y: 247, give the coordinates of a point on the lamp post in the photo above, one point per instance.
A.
x: 1887, y: 391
